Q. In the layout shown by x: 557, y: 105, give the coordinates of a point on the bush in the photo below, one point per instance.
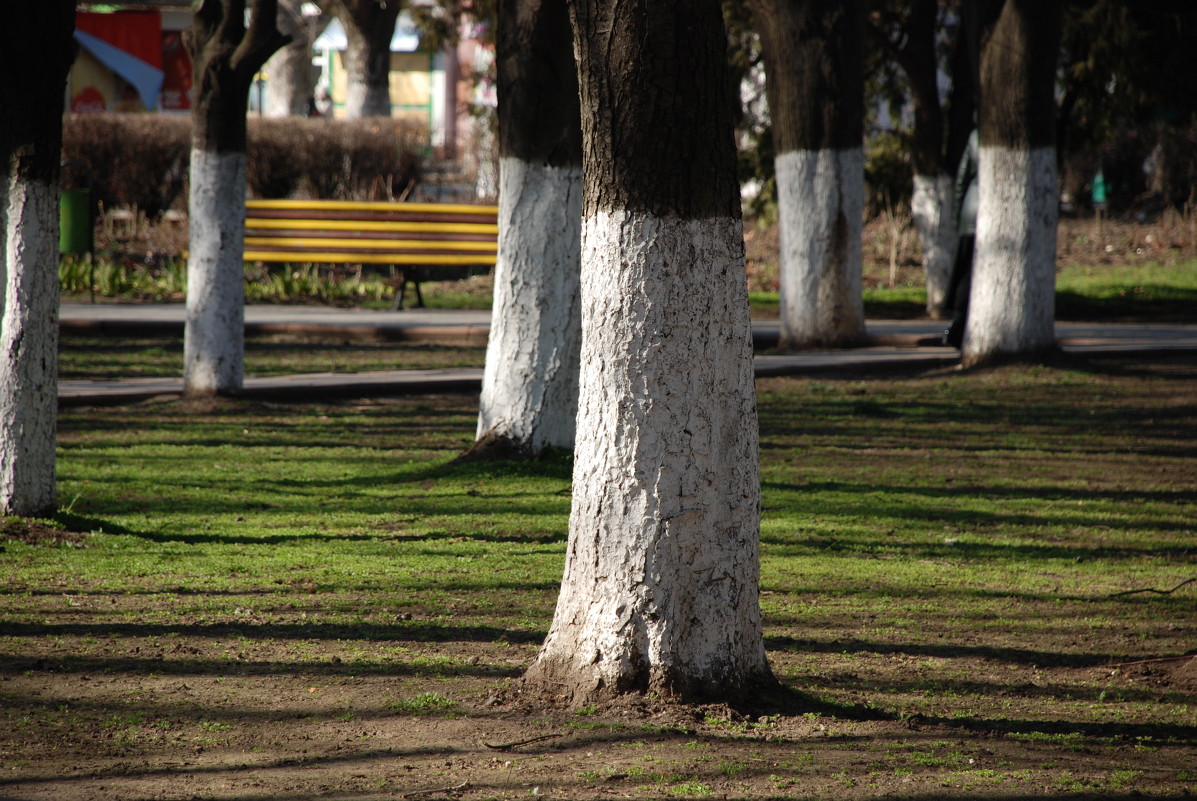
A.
x: 141, y: 160
x: 127, y: 159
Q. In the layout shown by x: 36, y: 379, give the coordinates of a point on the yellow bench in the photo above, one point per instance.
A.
x: 425, y: 241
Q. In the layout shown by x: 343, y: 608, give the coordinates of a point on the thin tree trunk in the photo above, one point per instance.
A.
x: 931, y: 207
x: 813, y: 63
x: 530, y: 387
x: 660, y: 592
x: 1012, y: 301
x: 225, y: 56
x: 35, y: 44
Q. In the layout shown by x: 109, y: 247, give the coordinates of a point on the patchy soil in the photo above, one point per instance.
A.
x: 206, y: 699
x: 33, y: 532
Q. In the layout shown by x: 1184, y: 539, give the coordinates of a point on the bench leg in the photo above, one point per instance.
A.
x: 402, y: 286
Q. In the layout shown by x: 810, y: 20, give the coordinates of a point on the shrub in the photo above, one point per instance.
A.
x: 141, y: 160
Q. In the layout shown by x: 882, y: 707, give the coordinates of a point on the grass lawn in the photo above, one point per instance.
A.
x: 973, y: 581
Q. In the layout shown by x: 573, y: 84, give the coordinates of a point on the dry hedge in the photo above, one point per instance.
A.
x: 142, y: 160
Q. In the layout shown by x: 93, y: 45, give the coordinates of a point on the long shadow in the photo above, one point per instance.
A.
x: 414, y: 631
x: 948, y: 651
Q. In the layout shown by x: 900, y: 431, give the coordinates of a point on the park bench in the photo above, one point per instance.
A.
x: 420, y: 241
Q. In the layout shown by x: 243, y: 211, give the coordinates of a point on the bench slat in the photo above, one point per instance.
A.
x: 379, y: 245
x: 343, y: 257
x: 370, y: 225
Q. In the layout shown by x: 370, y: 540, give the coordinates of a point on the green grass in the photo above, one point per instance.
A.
x: 942, y: 557
x: 101, y: 357
x: 1150, y: 292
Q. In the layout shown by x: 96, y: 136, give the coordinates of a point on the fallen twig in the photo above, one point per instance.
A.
x: 454, y: 789
x: 1159, y: 659
x: 506, y: 746
x: 1152, y: 589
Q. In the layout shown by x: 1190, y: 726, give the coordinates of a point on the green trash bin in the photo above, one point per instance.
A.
x: 74, y: 222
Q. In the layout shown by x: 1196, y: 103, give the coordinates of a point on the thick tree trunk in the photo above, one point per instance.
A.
x: 931, y: 207
x: 1012, y: 301
x: 290, y: 90
x: 813, y: 61
x: 35, y: 44
x: 369, y: 26
x: 225, y: 55
x: 660, y: 592
x: 28, y: 345
x: 530, y: 386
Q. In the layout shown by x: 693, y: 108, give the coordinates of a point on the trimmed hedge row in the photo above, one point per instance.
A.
x: 142, y: 159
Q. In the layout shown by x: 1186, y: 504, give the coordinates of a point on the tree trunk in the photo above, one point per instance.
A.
x: 660, y: 592
x: 36, y: 44
x: 225, y: 55
x: 1012, y: 302
x: 290, y: 90
x: 813, y: 61
x: 931, y: 207
x: 369, y: 26
x: 530, y: 386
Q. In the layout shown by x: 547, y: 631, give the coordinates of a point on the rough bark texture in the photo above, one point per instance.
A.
x: 36, y: 45
x: 931, y: 207
x: 815, y: 86
x: 225, y: 55
x: 214, y: 336
x: 820, y: 205
x: 369, y: 26
x: 660, y: 586
x: 660, y: 592
x: 1012, y: 302
x: 291, y: 77
x: 1012, y: 305
x: 814, y: 72
x: 641, y: 150
x: 530, y: 386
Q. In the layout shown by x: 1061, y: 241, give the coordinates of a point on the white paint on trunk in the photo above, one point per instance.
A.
x: 820, y: 206
x: 28, y: 346
x: 530, y: 385
x: 363, y: 99
x: 931, y: 207
x: 214, y: 339
x: 661, y: 579
x: 1012, y: 303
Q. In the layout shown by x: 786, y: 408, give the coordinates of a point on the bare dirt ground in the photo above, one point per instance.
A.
x: 181, y: 716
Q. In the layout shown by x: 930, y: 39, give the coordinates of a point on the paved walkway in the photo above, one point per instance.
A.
x: 891, y: 343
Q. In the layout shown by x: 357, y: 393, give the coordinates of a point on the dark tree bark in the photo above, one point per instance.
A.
x: 530, y: 388
x: 660, y: 592
x: 36, y: 50
x: 1012, y: 302
x: 369, y: 26
x: 225, y: 55
x: 815, y: 85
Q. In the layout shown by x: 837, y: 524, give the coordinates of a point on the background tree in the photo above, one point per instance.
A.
x: 369, y: 26
x: 660, y: 591
x: 815, y: 83
x: 291, y: 79
x: 1012, y: 302
x: 225, y: 55
x: 530, y: 385
x: 910, y: 34
x: 36, y: 50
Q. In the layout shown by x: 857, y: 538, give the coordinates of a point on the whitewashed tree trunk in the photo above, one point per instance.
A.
x: 28, y: 345
x: 214, y: 342
x: 366, y: 95
x: 820, y: 207
x: 530, y: 386
x: 1012, y: 302
x: 931, y: 207
x: 291, y: 78
x: 660, y: 589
